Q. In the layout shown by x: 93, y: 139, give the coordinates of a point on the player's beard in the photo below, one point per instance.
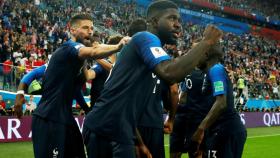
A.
x: 87, y: 41
x: 167, y: 37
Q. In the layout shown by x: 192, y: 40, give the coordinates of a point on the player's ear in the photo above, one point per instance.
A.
x: 72, y: 30
x: 153, y: 22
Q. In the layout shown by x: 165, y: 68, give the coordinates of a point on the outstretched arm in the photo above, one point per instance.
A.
x: 99, y: 51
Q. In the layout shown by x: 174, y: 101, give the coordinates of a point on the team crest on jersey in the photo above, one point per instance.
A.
x: 158, y: 52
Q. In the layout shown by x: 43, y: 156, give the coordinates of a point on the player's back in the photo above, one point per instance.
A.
x: 130, y: 86
x: 59, y: 83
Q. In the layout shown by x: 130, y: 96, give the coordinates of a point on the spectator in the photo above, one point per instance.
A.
x: 7, y: 72
x: 2, y: 107
x: 240, y: 85
x: 30, y: 106
x: 275, y: 90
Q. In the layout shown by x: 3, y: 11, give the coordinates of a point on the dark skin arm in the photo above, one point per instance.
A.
x: 174, y: 71
x: 174, y: 98
x: 217, y: 109
x: 141, y: 148
x: 20, y: 100
x: 212, y: 116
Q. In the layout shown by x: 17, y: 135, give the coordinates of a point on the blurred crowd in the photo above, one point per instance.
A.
x: 30, y: 32
x: 269, y: 8
x: 252, y: 62
x: 253, y: 109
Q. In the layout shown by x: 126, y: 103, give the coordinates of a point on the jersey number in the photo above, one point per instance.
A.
x: 212, y: 154
x: 188, y: 83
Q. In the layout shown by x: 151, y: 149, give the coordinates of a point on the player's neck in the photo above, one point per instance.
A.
x: 73, y: 38
x: 210, y: 64
x: 155, y: 32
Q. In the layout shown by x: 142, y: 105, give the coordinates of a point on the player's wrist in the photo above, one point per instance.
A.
x: 119, y: 46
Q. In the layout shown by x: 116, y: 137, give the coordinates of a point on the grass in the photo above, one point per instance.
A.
x: 261, y: 143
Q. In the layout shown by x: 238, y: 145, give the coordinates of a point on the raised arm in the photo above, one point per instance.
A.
x: 173, y: 71
x: 99, y: 51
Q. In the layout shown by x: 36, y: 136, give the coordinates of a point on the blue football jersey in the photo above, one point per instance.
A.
x: 59, y: 84
x: 130, y: 87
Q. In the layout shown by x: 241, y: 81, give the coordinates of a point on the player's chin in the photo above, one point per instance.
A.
x: 172, y: 41
x: 87, y: 43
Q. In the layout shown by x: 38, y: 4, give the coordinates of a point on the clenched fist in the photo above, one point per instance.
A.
x: 212, y: 34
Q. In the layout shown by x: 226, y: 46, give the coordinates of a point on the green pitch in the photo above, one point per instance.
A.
x: 261, y: 143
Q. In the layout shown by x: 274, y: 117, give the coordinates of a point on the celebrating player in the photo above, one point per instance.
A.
x: 110, y: 127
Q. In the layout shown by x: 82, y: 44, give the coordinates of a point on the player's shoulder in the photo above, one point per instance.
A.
x: 73, y: 44
x: 40, y: 68
x: 217, y: 68
x: 144, y: 35
x: 197, y: 71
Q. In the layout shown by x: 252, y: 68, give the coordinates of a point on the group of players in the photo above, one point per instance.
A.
x: 126, y: 119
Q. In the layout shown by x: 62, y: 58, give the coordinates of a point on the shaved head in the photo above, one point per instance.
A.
x: 156, y: 8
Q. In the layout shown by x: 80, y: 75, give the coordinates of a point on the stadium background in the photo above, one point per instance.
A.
x: 30, y: 30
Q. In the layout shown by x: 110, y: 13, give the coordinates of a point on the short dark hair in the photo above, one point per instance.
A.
x: 114, y: 39
x: 159, y: 5
x: 76, y: 18
x: 216, y: 52
x: 137, y: 25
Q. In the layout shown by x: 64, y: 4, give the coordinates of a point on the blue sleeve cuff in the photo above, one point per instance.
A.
x: 218, y: 79
x: 34, y: 74
x: 97, y: 68
x: 159, y: 60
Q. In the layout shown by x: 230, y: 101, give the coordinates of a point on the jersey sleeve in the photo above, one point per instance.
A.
x: 34, y: 74
x: 217, y: 77
x: 97, y: 68
x: 149, y: 49
x: 75, y: 48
